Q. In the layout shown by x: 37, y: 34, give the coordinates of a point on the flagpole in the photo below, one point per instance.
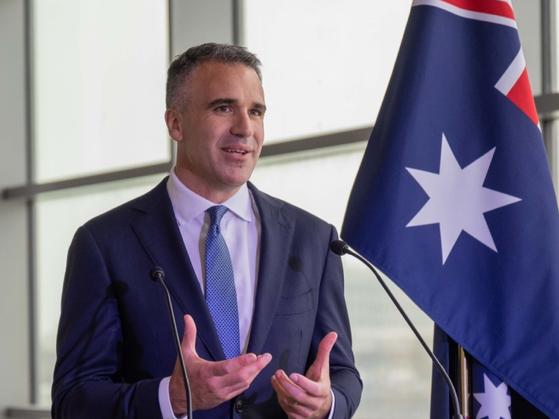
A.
x: 464, y: 382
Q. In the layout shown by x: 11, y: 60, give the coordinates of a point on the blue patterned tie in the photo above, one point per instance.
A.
x: 221, y: 296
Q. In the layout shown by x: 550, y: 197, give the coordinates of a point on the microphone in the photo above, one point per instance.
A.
x: 341, y: 248
x: 158, y: 275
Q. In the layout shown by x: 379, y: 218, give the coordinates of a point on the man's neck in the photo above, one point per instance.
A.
x: 215, y: 194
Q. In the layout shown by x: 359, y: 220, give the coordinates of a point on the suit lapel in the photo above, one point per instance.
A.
x: 275, y: 242
x: 157, y: 231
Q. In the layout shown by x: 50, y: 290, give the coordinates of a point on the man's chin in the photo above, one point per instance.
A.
x: 233, y: 185
x: 236, y: 179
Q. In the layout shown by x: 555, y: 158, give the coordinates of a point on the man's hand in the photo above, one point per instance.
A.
x: 211, y: 383
x: 307, y: 396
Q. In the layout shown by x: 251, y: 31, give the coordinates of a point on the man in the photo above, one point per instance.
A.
x: 266, y: 332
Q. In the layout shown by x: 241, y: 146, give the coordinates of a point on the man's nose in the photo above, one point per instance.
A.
x: 242, y: 125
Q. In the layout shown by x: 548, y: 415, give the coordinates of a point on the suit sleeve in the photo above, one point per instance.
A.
x: 332, y: 315
x: 87, y: 382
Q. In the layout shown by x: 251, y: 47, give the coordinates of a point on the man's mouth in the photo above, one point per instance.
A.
x: 235, y: 150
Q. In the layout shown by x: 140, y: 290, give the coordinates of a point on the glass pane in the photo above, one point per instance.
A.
x: 326, y: 68
x: 58, y: 216
x: 395, y: 370
x: 318, y: 181
x: 99, y: 85
x: 326, y: 64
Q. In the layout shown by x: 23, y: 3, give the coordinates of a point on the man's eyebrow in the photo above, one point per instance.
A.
x: 230, y: 101
x: 221, y: 101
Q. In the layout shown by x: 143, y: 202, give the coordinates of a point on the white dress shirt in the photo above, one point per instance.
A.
x: 241, y: 228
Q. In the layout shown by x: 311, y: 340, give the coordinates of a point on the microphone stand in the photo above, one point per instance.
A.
x: 340, y: 247
x: 157, y: 274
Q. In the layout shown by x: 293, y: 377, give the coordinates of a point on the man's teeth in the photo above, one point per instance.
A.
x: 232, y: 150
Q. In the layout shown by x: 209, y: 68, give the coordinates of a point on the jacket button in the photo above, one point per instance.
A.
x: 240, y: 405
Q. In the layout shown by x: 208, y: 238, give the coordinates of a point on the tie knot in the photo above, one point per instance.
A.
x: 216, y: 213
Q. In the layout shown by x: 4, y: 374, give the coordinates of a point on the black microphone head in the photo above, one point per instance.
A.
x: 339, y: 247
x: 157, y: 273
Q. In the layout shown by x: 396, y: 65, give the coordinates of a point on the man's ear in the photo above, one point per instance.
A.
x: 173, y: 119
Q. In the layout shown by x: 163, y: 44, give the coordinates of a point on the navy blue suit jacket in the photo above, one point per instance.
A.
x: 114, y: 339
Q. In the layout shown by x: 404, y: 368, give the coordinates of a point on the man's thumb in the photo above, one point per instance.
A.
x: 322, y: 361
x: 188, y: 343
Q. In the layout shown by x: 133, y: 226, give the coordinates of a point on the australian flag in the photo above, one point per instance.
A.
x: 454, y: 200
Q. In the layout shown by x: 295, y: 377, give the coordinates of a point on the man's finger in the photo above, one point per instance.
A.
x: 227, y: 366
x: 324, y: 349
x: 188, y: 343
x: 284, y: 398
x: 313, y: 388
x: 292, y: 396
x: 231, y: 365
x: 282, y: 393
x: 243, y: 374
x: 299, y: 411
x: 290, y: 389
x: 321, y: 363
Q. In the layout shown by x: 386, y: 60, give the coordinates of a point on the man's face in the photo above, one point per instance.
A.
x: 220, y: 130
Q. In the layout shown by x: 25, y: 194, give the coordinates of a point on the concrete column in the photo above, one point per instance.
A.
x: 14, y: 297
x: 194, y: 22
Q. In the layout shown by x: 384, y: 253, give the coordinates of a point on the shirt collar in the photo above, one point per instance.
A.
x: 188, y: 205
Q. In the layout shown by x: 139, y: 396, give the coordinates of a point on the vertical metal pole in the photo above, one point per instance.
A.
x: 171, y: 51
x: 170, y: 39
x: 30, y: 206
x: 238, y: 24
x: 464, y: 388
x: 547, y: 19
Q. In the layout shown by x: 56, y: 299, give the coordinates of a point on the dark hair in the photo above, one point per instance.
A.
x: 183, y: 65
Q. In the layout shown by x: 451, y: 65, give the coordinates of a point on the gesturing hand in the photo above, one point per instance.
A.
x: 212, y: 383
x: 307, y: 396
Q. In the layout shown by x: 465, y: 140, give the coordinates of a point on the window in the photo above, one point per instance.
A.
x: 99, y: 86
x: 325, y: 68
x: 98, y: 71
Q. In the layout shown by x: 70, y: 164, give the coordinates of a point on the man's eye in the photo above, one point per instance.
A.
x: 256, y: 112
x: 223, y: 108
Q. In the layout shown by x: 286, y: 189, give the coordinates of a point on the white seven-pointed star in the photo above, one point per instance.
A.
x: 458, y: 199
x: 495, y: 401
